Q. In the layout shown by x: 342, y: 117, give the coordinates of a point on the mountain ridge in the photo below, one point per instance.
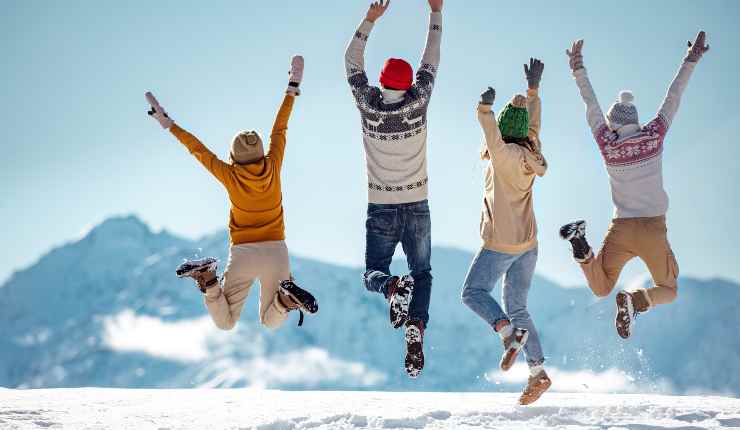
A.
x: 64, y: 310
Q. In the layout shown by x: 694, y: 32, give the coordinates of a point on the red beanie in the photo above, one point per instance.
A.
x: 396, y: 74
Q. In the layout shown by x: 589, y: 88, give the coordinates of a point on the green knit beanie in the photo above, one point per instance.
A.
x: 513, y: 121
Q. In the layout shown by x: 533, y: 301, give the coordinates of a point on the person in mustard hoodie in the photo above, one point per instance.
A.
x: 256, y: 225
x: 508, y: 227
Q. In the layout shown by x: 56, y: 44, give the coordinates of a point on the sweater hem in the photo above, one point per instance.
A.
x: 241, y: 239
x: 509, y: 248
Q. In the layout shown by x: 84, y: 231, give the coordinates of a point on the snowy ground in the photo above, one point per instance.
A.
x: 92, y: 408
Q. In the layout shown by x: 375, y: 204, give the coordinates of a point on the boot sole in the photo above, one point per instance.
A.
x: 414, y: 356
x: 398, y: 312
x: 622, y: 308
x: 509, y: 357
x: 565, y: 235
x: 186, y: 269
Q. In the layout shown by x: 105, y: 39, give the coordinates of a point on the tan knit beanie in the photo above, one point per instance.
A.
x: 246, y: 148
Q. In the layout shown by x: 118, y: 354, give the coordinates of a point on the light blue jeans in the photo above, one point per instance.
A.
x: 517, y: 270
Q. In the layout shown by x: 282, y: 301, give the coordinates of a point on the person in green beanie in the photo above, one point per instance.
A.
x: 508, y: 227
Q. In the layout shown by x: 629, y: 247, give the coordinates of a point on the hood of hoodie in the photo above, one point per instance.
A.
x: 258, y: 177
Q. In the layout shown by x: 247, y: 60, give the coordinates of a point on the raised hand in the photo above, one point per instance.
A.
x: 698, y: 48
x: 436, y: 5
x: 377, y: 9
x: 295, y: 75
x: 575, y: 55
x: 534, y: 73
x: 158, y: 112
x: 488, y: 96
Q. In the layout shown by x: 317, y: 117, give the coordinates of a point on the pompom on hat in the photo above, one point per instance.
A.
x: 623, y: 112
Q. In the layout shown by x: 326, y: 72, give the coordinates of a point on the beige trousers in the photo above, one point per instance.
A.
x: 627, y: 238
x: 264, y: 261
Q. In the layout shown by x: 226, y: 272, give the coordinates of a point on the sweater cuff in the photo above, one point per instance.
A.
x: 532, y: 92
x: 366, y: 27
x: 484, y: 108
x: 435, y: 18
x: 580, y: 73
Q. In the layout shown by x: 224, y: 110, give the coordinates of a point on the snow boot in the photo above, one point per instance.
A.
x: 203, y: 271
x: 400, y: 292
x: 294, y: 297
x: 414, y: 348
x: 512, y: 345
x: 575, y: 233
x: 629, y: 305
x: 536, y: 386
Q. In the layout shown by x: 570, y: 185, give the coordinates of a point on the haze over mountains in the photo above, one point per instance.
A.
x: 107, y: 310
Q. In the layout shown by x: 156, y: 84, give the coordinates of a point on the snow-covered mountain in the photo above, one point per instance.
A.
x: 107, y: 310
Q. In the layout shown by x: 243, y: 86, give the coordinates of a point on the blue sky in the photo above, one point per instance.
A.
x: 79, y: 147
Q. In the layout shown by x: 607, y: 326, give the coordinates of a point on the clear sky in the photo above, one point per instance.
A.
x: 79, y: 147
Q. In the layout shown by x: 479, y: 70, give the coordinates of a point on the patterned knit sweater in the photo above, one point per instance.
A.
x: 634, y: 155
x: 394, y: 126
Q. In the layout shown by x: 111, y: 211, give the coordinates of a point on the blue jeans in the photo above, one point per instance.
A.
x: 410, y: 224
x: 487, y: 268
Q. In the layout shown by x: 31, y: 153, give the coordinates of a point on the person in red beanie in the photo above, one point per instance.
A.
x: 394, y: 131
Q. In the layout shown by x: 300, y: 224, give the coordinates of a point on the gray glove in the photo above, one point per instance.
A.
x: 534, y: 73
x: 575, y: 56
x: 488, y: 97
x: 697, y: 49
x: 158, y: 112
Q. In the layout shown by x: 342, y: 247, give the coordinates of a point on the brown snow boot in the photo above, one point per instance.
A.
x: 629, y: 305
x: 203, y: 271
x: 536, y: 386
x: 293, y: 297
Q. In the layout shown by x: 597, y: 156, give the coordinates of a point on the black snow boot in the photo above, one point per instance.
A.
x: 575, y: 233
x: 414, y: 348
x: 400, y: 292
x: 294, y: 297
x: 203, y: 271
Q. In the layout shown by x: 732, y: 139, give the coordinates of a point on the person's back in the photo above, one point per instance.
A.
x: 258, y: 250
x: 394, y: 133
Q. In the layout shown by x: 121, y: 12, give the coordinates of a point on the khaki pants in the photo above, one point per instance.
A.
x: 635, y: 237
x: 266, y: 261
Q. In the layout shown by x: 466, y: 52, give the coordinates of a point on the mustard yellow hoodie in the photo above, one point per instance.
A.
x: 254, y: 189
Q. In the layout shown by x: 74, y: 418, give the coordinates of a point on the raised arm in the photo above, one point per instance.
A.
x: 219, y: 169
x: 673, y: 98
x: 354, y: 57
x: 594, y: 114
x: 427, y: 72
x: 495, y: 144
x: 533, y: 73
x: 278, y: 136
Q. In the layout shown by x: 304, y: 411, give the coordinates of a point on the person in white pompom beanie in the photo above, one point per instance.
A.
x: 633, y: 155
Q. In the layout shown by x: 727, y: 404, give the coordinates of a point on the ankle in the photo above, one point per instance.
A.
x: 535, y: 370
x: 504, y: 328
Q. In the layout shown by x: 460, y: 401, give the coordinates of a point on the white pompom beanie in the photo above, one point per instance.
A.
x: 623, y: 112
x: 246, y: 148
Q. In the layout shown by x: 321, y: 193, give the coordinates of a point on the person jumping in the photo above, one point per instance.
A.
x: 633, y: 155
x: 256, y: 226
x: 509, y: 229
x: 394, y: 130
